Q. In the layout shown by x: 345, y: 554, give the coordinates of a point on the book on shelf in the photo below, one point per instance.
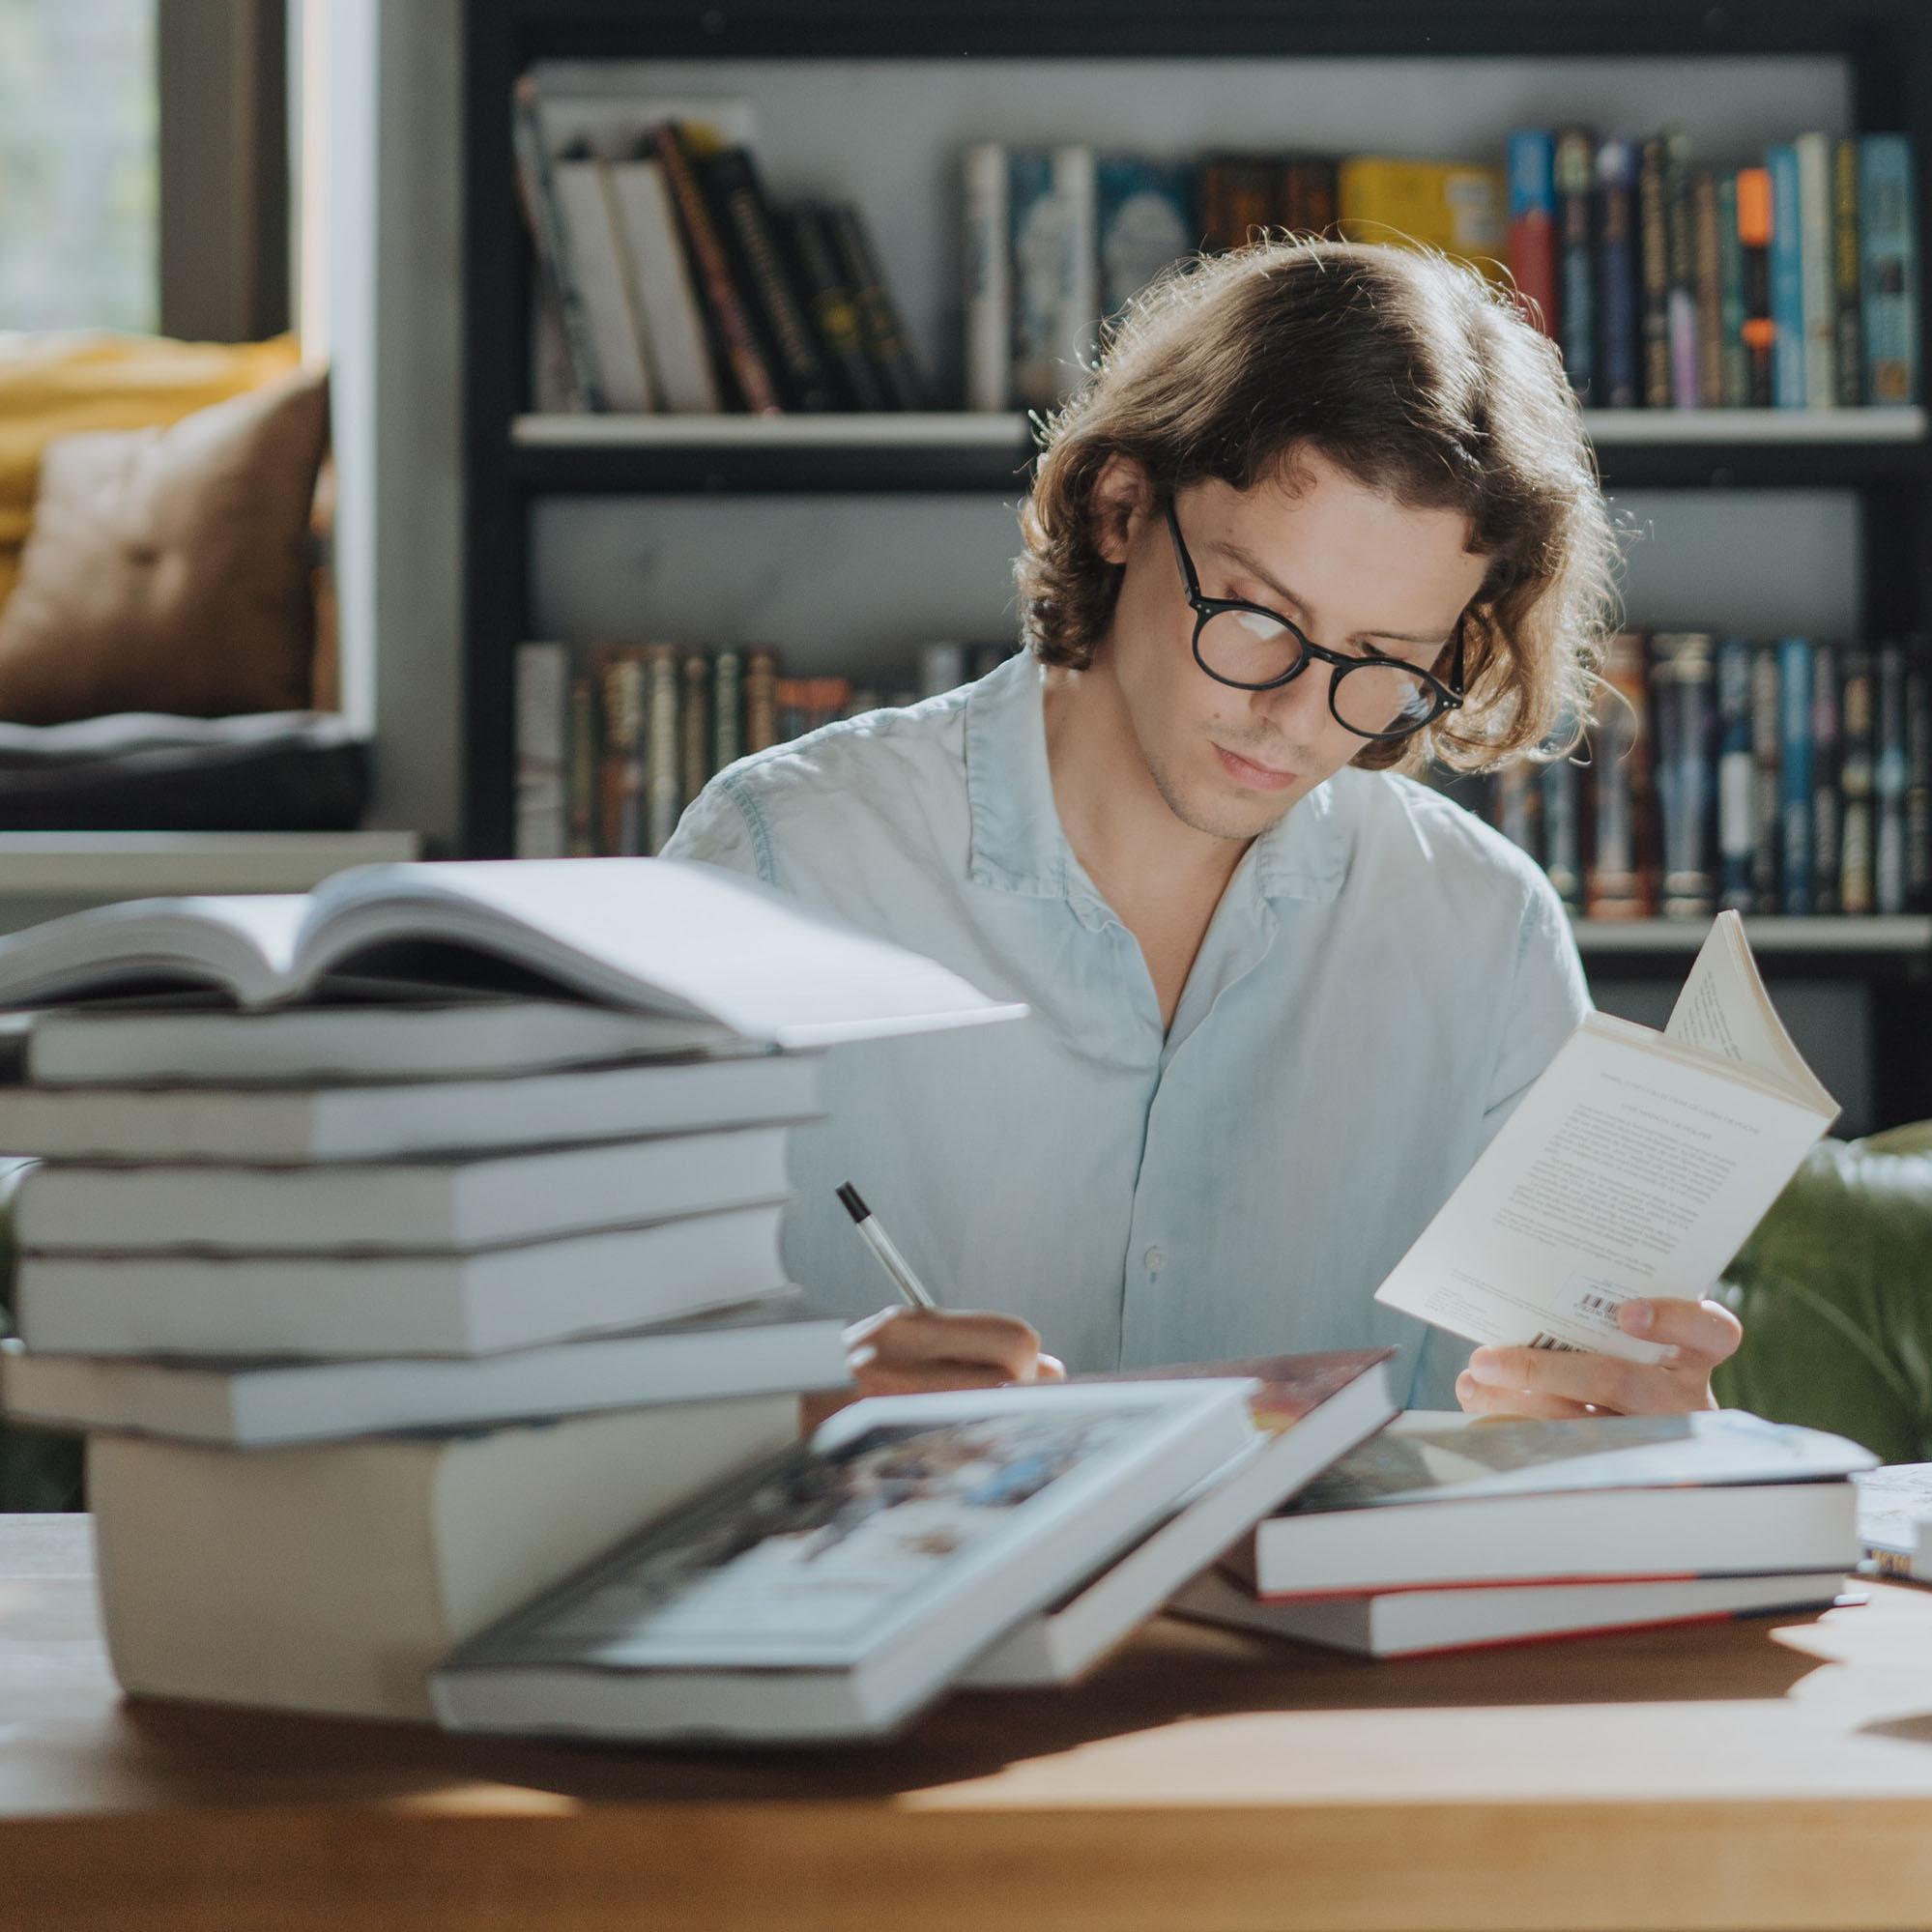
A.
x: 1418, y: 1623
x: 1458, y: 206
x: 1309, y: 1409
x: 1619, y: 283
x: 1533, y: 232
x: 1441, y: 1499
x: 1895, y: 1520
x: 837, y: 1590
x: 1654, y: 264
x: 1681, y: 256
x: 1145, y: 221
x: 485, y: 1301
x: 599, y: 263
x: 1888, y: 266
x: 447, y: 1204
x: 1574, y: 322
x: 756, y: 1350
x: 388, y: 1552
x: 654, y: 934
x: 1636, y: 1164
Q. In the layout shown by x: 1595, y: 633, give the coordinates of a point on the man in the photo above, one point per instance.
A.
x: 1322, y: 510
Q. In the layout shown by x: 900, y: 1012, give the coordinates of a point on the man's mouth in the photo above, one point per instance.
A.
x: 1255, y: 777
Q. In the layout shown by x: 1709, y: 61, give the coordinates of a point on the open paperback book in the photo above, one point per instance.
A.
x: 1635, y: 1166
x: 1895, y: 1520
x: 655, y: 934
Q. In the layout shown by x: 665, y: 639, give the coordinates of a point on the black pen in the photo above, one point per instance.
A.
x: 881, y: 1245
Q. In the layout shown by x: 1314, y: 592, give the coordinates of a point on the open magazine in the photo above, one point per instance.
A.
x: 1635, y: 1166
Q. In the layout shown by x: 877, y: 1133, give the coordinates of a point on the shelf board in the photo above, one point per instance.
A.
x: 1769, y: 935
x: 960, y: 450
x: 122, y: 865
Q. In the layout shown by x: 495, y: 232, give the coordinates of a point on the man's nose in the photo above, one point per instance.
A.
x: 1299, y: 709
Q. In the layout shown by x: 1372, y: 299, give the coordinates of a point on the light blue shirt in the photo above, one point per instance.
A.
x: 1382, y: 978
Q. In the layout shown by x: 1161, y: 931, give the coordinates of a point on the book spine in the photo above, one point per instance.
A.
x: 1917, y: 777
x: 834, y: 309
x: 1758, y: 328
x: 1707, y: 269
x: 1767, y: 782
x: 620, y: 766
x: 1787, y: 277
x: 1733, y: 357
x: 1856, y: 881
x: 1239, y: 196
x: 1653, y: 244
x: 1144, y: 223
x: 1889, y: 779
x: 629, y: 288
x: 1735, y: 817
x: 761, y: 700
x: 1848, y: 349
x: 1681, y: 260
x: 1683, y: 682
x: 1320, y: 201
x: 1826, y: 801
x: 1532, y: 169
x: 1815, y: 247
x: 1576, y: 302
x: 661, y: 759
x: 1076, y: 185
x: 884, y: 334
x: 551, y: 242
x: 583, y: 208
x: 1888, y: 268
x: 1614, y: 885
x: 731, y: 180
x: 1514, y: 806
x: 694, y: 725
x: 1560, y: 783
x: 1617, y: 359
x: 729, y: 705
x: 989, y: 279
x: 742, y: 354
x: 582, y: 767
x: 542, y: 701
x: 1793, y: 679
x: 674, y: 319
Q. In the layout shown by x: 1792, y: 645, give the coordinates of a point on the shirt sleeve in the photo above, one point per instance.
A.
x: 718, y: 830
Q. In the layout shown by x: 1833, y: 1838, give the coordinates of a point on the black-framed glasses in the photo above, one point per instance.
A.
x: 1255, y: 648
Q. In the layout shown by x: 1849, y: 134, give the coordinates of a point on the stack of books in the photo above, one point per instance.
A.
x: 1446, y: 1532
x: 384, y: 1308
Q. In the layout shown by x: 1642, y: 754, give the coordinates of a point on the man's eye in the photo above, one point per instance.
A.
x: 1260, y: 626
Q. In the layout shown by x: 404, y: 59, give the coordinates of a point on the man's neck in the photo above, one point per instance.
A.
x: 1119, y: 826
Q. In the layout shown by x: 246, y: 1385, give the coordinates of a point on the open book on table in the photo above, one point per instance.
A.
x: 1635, y: 1166
x: 659, y: 936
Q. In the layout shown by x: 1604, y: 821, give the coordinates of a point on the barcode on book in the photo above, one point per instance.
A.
x: 1546, y: 1340
x: 1601, y: 1305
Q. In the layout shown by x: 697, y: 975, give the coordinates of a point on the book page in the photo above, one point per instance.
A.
x: 1626, y: 1170
x: 1726, y: 1010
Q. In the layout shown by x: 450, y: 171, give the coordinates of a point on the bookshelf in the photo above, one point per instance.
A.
x: 880, y: 101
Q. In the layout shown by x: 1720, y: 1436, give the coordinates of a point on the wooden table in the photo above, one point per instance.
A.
x: 1768, y: 1774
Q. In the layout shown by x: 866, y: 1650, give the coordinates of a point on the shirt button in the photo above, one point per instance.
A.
x: 1156, y: 1260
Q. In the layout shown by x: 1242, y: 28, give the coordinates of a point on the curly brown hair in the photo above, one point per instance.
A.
x: 1404, y: 368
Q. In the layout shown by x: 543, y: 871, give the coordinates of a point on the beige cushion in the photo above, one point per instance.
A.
x: 168, y: 569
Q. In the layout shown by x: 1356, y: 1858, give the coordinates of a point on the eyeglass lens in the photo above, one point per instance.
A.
x: 1372, y: 696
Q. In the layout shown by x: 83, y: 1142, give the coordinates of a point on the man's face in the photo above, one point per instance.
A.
x: 1358, y: 572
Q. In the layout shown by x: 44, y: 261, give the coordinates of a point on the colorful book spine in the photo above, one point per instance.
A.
x: 761, y: 703
x: 694, y: 725
x: 1680, y: 269
x: 1145, y: 222
x: 885, y: 340
x: 1708, y: 273
x: 1735, y: 771
x: 1734, y: 357
x: 1532, y: 170
x: 1794, y: 765
x: 1827, y: 798
x: 1767, y: 781
x: 621, y: 764
x: 542, y: 723
x: 1756, y: 216
x: 1239, y: 200
x: 725, y: 310
x: 1618, y: 359
x: 1683, y: 705
x: 989, y: 277
x: 1787, y: 276
x: 1654, y: 257
x: 662, y: 787
x: 834, y: 311
x: 1577, y: 295
x: 728, y: 738
x: 1857, y: 886
x: 1815, y: 247
x: 731, y: 182
x: 1309, y: 196
x: 1888, y: 268
x: 1615, y: 887
x: 1889, y: 779
x: 1848, y: 348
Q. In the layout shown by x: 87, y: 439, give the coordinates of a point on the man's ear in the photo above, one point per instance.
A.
x: 1123, y: 493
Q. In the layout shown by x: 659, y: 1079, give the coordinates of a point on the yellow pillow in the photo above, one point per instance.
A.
x: 52, y: 385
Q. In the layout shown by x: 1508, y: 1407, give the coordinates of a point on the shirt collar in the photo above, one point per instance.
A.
x: 1017, y: 845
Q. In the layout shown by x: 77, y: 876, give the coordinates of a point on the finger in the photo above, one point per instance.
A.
x: 1051, y: 1368
x: 1604, y: 1381
x: 1706, y: 1329
x: 929, y: 1378
x: 1483, y: 1400
x: 1000, y: 1341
